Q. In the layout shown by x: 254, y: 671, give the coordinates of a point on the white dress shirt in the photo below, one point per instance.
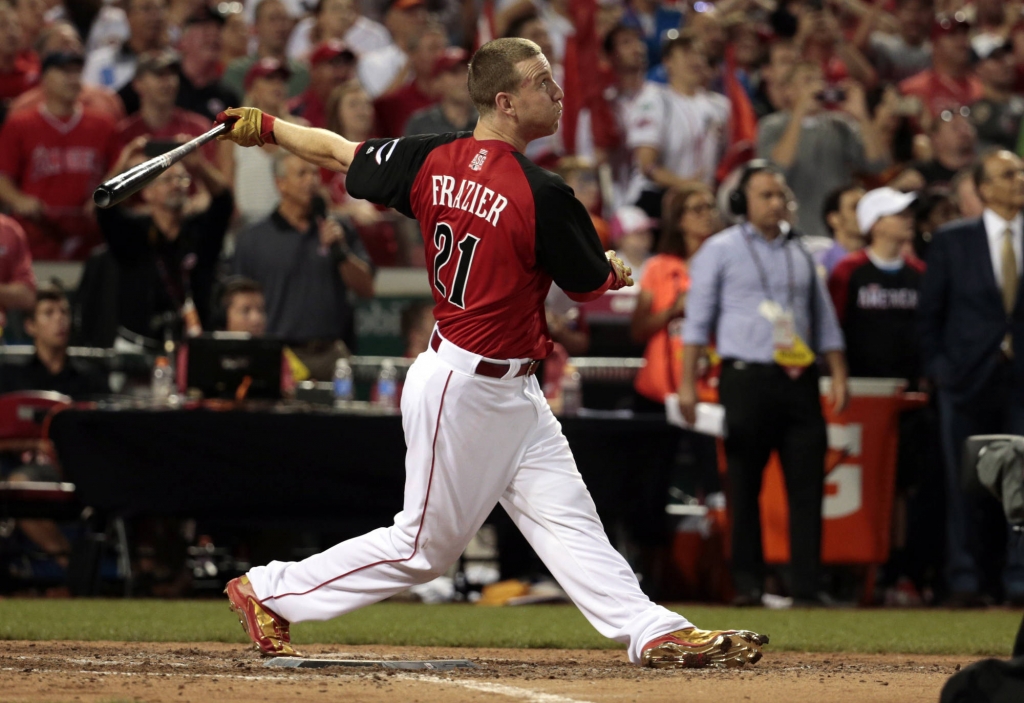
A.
x: 995, y: 226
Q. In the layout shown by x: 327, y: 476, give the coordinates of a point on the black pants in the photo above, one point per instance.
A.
x: 765, y: 410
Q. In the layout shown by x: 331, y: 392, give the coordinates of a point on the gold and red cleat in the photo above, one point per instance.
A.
x: 695, y: 649
x: 267, y: 629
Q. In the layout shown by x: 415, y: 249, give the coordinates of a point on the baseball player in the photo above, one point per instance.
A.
x: 497, y: 230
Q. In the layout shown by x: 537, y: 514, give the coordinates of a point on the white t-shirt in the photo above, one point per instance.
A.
x: 378, y: 69
x: 109, y: 67
x: 687, y: 131
x: 364, y: 36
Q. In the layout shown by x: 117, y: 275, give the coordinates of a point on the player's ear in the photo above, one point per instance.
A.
x: 503, y: 102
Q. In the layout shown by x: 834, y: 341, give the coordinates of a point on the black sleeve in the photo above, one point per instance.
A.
x: 214, y: 225
x: 567, y: 245
x: 384, y: 170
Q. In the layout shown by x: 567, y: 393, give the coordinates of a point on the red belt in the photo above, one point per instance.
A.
x: 492, y: 369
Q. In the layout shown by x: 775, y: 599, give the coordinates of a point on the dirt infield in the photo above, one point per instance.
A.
x: 105, y: 672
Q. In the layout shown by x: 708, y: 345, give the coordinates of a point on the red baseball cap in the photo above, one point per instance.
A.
x: 266, y: 67
x: 405, y: 4
x: 950, y: 24
x: 451, y: 57
x: 330, y: 50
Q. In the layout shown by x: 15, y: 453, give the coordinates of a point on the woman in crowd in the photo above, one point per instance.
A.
x: 690, y: 217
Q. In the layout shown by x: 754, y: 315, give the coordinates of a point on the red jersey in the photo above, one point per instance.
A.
x: 497, y: 230
x: 394, y: 109
x: 15, y: 261
x: 24, y: 75
x: 309, y: 107
x: 60, y: 162
x: 939, y: 92
x: 182, y: 122
x: 95, y: 98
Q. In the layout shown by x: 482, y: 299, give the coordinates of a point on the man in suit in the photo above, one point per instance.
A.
x: 972, y: 336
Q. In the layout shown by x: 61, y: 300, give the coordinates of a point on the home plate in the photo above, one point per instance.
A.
x: 434, y: 664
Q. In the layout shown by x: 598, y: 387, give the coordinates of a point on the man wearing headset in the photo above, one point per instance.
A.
x: 754, y: 291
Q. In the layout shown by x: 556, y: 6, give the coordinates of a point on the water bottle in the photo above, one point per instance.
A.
x: 343, y: 387
x: 572, y: 391
x: 387, y: 385
x: 162, y: 381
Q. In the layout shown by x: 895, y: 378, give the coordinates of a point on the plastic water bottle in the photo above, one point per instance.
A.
x: 162, y: 381
x: 387, y: 385
x: 343, y: 388
x: 572, y: 391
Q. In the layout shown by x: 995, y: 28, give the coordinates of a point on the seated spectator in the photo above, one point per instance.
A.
x: 840, y: 215
x: 251, y: 171
x: 19, y: 67
x: 273, y: 27
x: 949, y: 83
x: 52, y: 159
x: 306, y: 263
x: 394, y: 108
x: 62, y: 37
x: 954, y: 143
x: 690, y: 217
x: 341, y: 20
x: 964, y: 194
x: 114, y: 66
x: 676, y: 131
x: 17, y: 280
x: 49, y: 369
x: 156, y: 84
x: 455, y: 111
x: 875, y: 290
x: 242, y: 309
x: 820, y: 149
x: 331, y: 64
x: 387, y: 68
x: 997, y: 115
x: 166, y: 257
x: 632, y: 237
x: 199, y: 89
x: 898, y: 55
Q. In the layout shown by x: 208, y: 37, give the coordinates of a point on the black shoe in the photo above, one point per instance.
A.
x: 967, y: 599
x: 747, y: 600
x: 821, y: 599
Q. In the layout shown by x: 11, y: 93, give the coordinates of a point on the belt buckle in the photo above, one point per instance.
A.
x: 530, y: 367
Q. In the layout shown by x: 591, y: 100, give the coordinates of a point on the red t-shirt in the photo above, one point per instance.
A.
x: 24, y: 75
x: 96, y: 98
x: 497, y: 230
x: 60, y: 162
x: 309, y: 107
x: 394, y: 109
x: 15, y: 260
x: 940, y: 92
x: 182, y: 122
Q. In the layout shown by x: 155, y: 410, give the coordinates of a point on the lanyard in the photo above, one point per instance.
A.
x: 764, y: 275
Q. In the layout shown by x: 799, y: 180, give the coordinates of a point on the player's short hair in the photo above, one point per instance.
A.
x: 55, y: 295
x: 492, y: 70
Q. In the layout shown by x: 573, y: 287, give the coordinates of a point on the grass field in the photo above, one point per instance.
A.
x: 988, y: 632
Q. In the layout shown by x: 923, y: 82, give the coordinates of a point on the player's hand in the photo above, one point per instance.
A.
x: 622, y: 272
x: 249, y: 126
x: 688, y: 402
x: 28, y: 206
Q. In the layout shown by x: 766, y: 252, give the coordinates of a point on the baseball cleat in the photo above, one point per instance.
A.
x: 267, y: 629
x: 695, y: 649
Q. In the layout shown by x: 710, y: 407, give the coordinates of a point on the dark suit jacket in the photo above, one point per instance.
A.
x: 962, y: 317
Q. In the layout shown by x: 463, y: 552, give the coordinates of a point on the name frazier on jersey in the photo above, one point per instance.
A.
x: 472, y: 197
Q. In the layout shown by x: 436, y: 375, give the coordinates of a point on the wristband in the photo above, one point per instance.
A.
x: 267, y: 128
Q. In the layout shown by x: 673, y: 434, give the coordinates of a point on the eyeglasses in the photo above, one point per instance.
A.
x: 949, y: 115
x: 701, y: 208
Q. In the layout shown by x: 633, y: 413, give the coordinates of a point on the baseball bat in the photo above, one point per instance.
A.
x: 133, y: 180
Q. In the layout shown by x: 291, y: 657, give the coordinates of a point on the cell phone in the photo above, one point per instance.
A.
x: 833, y: 95
x: 158, y: 147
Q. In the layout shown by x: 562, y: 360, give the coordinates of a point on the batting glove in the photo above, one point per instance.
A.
x: 249, y: 126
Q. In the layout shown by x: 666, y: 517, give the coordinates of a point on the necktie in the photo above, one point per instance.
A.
x: 1010, y: 281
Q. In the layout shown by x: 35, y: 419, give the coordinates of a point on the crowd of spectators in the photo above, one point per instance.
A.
x: 873, y: 123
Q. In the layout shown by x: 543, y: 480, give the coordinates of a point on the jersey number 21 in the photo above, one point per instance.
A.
x: 444, y: 239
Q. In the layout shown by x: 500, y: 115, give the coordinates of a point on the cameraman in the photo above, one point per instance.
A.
x: 822, y: 138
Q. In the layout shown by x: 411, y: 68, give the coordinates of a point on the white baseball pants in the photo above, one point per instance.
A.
x: 474, y: 441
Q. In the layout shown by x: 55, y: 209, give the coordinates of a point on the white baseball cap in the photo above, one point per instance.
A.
x: 630, y: 218
x: 879, y: 203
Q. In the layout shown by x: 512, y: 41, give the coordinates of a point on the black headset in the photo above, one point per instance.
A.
x: 738, y: 198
